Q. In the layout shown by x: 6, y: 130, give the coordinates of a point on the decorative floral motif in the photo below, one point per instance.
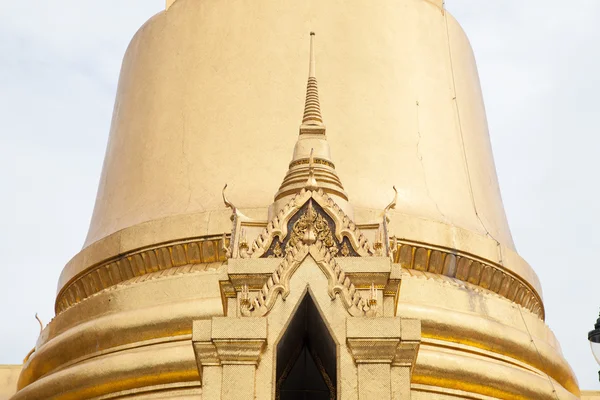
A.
x: 323, y: 221
x: 317, y: 223
x: 277, y: 252
x: 345, y: 250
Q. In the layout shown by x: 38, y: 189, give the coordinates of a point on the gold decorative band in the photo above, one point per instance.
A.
x: 137, y: 263
x: 471, y: 269
x: 410, y: 255
x: 315, y: 160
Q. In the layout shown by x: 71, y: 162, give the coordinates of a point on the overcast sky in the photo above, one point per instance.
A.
x: 539, y: 65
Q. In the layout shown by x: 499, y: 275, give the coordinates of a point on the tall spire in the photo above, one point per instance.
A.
x: 312, y: 66
x: 312, y: 121
x: 311, y: 167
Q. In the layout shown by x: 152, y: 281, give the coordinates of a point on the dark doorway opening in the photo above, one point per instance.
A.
x: 306, y: 357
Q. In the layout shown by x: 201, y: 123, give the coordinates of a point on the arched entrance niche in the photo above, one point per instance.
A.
x: 304, y: 317
x: 306, y: 361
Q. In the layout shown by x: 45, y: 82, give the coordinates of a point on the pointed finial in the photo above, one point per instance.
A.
x: 312, y: 66
x: 311, y: 149
x: 312, y: 109
x: 227, y: 202
x: 372, y: 296
x: 245, y: 296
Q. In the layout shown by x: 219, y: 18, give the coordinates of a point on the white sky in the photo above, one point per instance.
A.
x: 539, y: 63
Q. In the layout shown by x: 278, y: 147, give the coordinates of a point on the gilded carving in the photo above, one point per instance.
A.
x: 277, y: 251
x: 311, y: 211
x: 345, y: 250
x: 315, y: 222
x: 261, y: 302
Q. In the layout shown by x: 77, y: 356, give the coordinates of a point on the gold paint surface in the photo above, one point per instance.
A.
x: 420, y: 257
x: 208, y: 95
x: 590, y: 395
x: 461, y: 324
x: 407, y: 87
x: 193, y: 255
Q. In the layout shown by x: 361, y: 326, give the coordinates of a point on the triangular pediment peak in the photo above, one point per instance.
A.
x: 311, y: 204
x: 310, y: 216
x: 315, y: 214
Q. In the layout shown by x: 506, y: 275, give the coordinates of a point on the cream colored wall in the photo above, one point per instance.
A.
x: 9, y: 374
x: 590, y: 395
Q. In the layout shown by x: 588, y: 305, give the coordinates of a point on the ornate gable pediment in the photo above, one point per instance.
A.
x: 311, y: 224
x: 309, y: 249
x: 310, y: 216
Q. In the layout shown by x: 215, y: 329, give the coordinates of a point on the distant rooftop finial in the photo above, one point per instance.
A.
x: 312, y: 108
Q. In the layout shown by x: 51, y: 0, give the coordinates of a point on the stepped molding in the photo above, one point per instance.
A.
x: 467, y: 268
x: 138, y: 263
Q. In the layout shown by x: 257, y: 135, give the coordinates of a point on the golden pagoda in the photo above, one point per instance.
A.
x: 379, y: 266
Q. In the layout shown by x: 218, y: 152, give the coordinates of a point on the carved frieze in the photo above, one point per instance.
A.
x: 467, y: 268
x: 141, y: 262
x: 311, y: 224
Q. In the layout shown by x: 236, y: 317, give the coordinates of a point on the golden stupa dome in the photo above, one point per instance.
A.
x: 212, y: 93
x: 202, y: 103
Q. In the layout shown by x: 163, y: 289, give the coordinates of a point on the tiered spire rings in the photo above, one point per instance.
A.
x: 312, y: 108
x: 311, y: 162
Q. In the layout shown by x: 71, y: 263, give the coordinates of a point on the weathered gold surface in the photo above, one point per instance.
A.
x: 404, y: 81
x: 418, y: 222
x: 471, y: 269
x: 176, y: 296
x: 9, y: 374
x: 139, y: 263
x: 451, y: 318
